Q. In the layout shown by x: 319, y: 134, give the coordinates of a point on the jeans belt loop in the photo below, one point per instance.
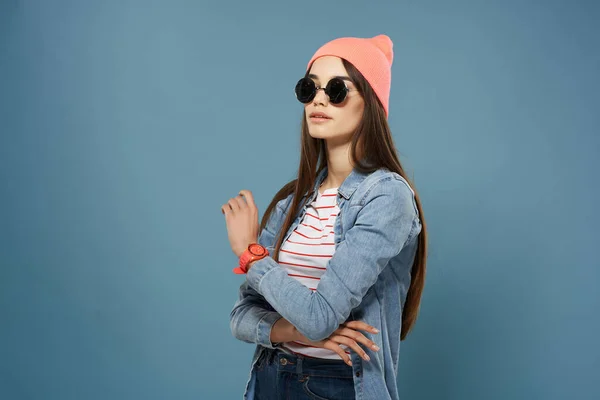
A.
x: 299, y: 365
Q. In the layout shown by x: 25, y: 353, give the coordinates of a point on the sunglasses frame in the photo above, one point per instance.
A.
x: 327, y: 89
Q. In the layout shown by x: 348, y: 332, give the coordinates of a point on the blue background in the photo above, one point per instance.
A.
x: 125, y: 126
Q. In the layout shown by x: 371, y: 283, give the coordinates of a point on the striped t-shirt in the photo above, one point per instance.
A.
x: 304, y: 255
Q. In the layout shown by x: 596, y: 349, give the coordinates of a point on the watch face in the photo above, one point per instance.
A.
x: 257, y: 249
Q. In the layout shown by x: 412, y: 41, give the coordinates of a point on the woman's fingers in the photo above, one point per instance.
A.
x: 235, y: 206
x: 357, y: 336
x: 352, y: 344
x: 360, y: 325
x: 248, y: 197
x: 331, y: 345
x: 348, y: 334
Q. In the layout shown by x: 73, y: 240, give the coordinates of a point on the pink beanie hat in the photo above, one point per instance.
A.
x: 371, y: 56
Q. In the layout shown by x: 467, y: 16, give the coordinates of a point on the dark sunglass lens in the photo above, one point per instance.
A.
x: 336, y: 90
x: 305, y: 90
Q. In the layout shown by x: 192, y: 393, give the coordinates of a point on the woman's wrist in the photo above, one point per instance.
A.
x: 250, y: 265
x: 283, y: 331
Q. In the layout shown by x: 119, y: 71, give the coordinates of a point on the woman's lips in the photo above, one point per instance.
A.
x: 319, y: 120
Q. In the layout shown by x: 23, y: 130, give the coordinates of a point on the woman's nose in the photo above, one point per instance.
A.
x: 321, y: 96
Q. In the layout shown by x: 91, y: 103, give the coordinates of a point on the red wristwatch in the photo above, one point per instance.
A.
x: 254, y: 252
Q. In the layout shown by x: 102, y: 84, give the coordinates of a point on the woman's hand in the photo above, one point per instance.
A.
x: 241, y: 217
x: 347, y: 334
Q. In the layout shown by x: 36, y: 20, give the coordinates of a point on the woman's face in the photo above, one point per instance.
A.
x: 343, y: 117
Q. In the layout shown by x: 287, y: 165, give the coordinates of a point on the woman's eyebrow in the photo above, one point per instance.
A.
x: 346, y: 78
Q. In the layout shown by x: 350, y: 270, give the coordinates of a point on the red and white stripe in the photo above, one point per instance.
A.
x: 305, y: 255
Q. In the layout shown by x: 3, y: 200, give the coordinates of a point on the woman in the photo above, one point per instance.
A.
x: 334, y: 280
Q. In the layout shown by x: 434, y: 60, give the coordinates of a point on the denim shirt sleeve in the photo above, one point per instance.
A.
x: 383, y: 225
x: 252, y: 317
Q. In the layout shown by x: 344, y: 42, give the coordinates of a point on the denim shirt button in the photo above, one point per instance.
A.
x: 358, y: 374
x: 283, y: 361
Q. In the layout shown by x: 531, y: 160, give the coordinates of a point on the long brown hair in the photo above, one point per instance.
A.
x: 372, y: 147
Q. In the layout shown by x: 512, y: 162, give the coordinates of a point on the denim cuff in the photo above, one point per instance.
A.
x: 258, y: 270
x: 265, y: 325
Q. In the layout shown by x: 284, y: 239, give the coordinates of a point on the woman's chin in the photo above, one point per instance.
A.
x: 317, y: 135
x: 319, y: 132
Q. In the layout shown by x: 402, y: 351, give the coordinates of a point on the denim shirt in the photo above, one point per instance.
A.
x: 375, y: 236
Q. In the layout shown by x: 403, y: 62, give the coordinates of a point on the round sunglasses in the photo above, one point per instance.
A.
x: 336, y: 90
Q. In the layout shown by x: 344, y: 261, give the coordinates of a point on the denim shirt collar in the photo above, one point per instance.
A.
x: 347, y: 187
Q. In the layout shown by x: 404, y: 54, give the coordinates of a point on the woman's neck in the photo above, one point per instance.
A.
x: 338, y: 167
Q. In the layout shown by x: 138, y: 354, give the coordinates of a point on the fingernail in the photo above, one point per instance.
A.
x: 375, y: 330
x: 375, y: 347
x: 349, y: 362
x: 367, y: 357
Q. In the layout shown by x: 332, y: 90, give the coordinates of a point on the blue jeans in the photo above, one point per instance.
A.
x: 280, y: 375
